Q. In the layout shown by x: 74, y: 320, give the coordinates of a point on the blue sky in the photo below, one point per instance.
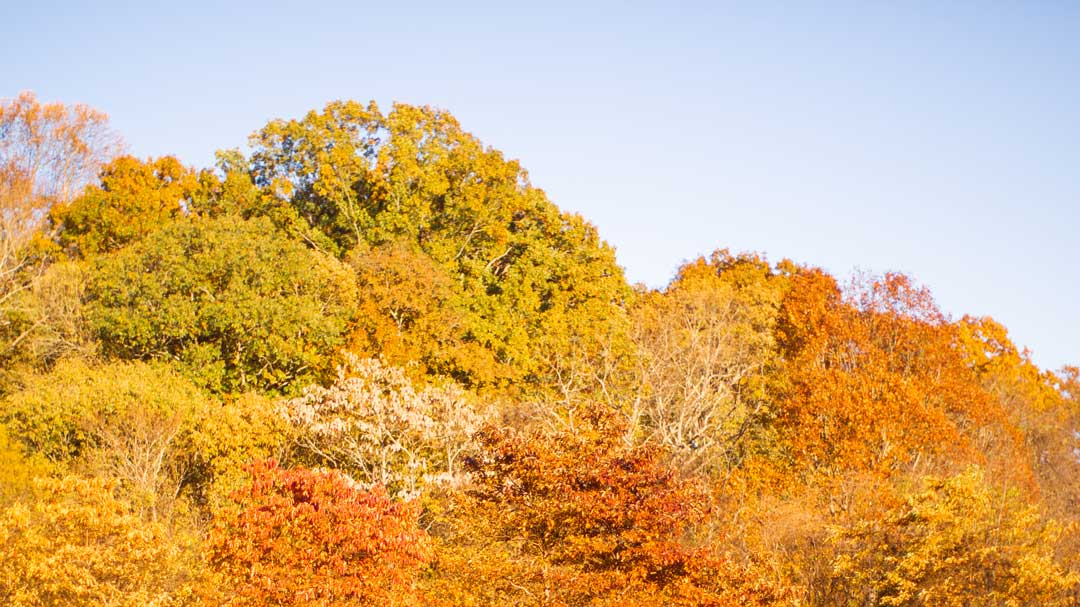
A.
x: 938, y: 139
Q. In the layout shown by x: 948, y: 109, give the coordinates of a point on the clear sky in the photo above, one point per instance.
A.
x: 941, y: 139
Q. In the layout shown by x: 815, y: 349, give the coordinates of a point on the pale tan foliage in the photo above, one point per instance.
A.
x: 376, y: 424
x: 704, y: 345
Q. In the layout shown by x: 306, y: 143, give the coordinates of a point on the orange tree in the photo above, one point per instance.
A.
x: 561, y: 518
x: 133, y: 199
x: 875, y: 381
x: 873, y: 390
x: 309, y: 537
x: 48, y: 152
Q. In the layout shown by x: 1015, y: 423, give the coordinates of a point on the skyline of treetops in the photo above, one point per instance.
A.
x: 368, y: 362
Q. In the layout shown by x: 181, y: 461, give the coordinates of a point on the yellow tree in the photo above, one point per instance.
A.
x: 409, y: 313
x: 130, y: 421
x: 78, y: 544
x: 960, y: 542
x: 18, y: 470
x: 1041, y: 403
x: 705, y: 347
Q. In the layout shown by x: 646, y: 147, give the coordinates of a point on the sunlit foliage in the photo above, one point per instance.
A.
x: 78, y: 544
x: 238, y: 304
x: 470, y: 405
x: 375, y: 424
x: 307, y: 537
x: 48, y: 152
x: 559, y: 518
x: 523, y: 280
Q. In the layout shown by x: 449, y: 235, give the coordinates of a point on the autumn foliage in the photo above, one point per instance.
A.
x: 80, y: 544
x: 370, y: 363
x: 310, y: 537
x: 874, y: 381
x: 580, y: 518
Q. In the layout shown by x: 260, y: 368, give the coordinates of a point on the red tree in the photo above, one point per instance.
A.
x: 559, y: 518
x: 310, y: 537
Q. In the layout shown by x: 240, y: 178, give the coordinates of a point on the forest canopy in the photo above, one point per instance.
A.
x: 368, y: 362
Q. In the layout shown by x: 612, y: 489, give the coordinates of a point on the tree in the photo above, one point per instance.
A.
x: 705, y: 348
x: 55, y: 148
x: 18, y: 469
x: 961, y: 542
x: 307, y: 537
x: 133, y: 199
x: 529, y: 282
x: 79, y: 544
x: 47, y: 316
x: 238, y: 430
x: 130, y: 421
x: 410, y: 312
x: 1037, y: 401
x: 236, y: 303
x: 375, y: 424
x: 48, y: 152
x: 875, y: 381
x: 319, y: 163
x: 556, y: 518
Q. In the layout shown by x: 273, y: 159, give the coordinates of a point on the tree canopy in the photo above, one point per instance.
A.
x: 234, y: 301
x: 370, y: 363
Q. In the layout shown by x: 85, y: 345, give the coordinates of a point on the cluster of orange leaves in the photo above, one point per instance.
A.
x: 560, y: 518
x: 875, y: 382
x: 311, y: 537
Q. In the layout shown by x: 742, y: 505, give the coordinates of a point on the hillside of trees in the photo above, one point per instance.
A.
x: 368, y: 362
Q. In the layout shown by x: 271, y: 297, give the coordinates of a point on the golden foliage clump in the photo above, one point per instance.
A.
x: 79, y: 544
x: 960, y: 542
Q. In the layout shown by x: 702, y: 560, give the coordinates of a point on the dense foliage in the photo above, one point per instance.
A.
x: 372, y: 364
x: 304, y: 537
x: 238, y: 304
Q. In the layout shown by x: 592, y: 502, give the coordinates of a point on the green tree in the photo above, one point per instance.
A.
x: 234, y: 301
x: 531, y: 284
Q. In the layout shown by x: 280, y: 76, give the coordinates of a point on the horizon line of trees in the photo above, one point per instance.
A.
x: 369, y: 363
